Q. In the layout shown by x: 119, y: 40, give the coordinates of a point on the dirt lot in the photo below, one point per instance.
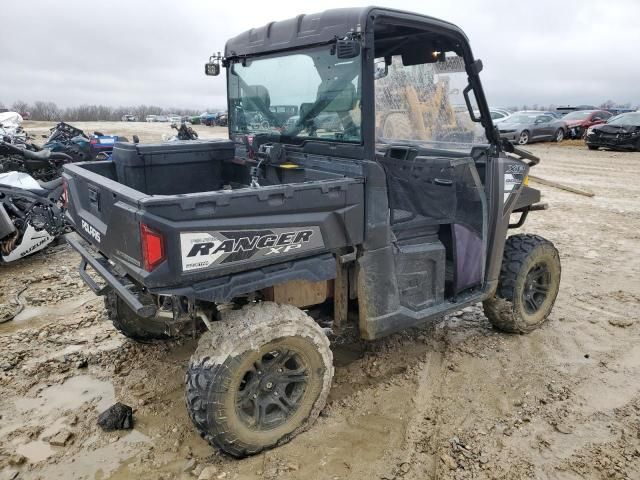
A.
x: 148, y: 132
x: 453, y: 400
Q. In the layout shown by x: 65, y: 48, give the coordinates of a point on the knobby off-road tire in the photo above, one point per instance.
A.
x: 528, y: 285
x: 258, y: 378
x: 131, y: 325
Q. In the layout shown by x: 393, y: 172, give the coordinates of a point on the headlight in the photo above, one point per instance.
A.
x: 589, y: 130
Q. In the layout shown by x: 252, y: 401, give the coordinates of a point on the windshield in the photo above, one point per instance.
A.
x: 310, y: 94
x: 626, y: 119
x: 578, y: 115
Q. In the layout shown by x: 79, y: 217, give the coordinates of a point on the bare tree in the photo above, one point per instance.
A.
x: 20, y: 106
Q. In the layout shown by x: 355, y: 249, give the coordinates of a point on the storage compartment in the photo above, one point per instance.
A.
x: 172, y: 168
x: 420, y: 270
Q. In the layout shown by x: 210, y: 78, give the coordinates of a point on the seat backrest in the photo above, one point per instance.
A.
x: 343, y: 97
x: 256, y: 97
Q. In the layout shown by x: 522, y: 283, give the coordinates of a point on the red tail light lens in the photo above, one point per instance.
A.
x: 153, y: 253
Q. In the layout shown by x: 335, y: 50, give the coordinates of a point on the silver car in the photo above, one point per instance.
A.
x: 527, y: 127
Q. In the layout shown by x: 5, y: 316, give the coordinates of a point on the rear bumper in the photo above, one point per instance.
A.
x: 107, y: 272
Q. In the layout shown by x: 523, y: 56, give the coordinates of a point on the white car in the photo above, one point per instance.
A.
x: 175, y: 118
x: 151, y: 118
x: 499, y: 114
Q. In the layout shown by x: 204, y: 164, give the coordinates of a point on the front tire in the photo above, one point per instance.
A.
x: 258, y: 378
x: 528, y: 285
x: 559, y: 136
x: 131, y: 325
x: 593, y: 147
x: 524, y: 138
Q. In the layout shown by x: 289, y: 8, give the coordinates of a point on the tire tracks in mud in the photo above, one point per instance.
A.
x: 423, y: 436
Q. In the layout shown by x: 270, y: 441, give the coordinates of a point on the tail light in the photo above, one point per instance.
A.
x: 65, y: 193
x: 153, y: 253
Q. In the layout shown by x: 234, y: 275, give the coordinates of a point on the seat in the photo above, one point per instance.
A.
x: 406, y: 225
x: 46, y: 187
x: 51, y: 185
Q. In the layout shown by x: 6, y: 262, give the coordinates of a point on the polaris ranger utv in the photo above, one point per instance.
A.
x: 387, y: 194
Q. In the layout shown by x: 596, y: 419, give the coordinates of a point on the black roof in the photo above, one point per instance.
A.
x: 316, y: 28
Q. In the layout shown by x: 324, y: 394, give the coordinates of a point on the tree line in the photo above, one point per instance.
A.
x: 550, y: 108
x: 49, y: 111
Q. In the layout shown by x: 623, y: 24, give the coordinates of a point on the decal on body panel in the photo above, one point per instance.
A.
x: 200, y: 250
x: 32, y: 241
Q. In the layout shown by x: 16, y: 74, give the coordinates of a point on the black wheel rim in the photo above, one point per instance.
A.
x: 536, y: 288
x: 272, y: 389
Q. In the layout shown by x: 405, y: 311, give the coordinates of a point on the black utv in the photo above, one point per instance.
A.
x: 386, y: 194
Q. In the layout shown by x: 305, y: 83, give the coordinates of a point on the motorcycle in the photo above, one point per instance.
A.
x: 42, y: 165
x: 31, y: 214
x: 185, y: 132
x: 68, y: 139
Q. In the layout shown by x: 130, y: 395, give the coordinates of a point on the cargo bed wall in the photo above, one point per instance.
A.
x: 278, y: 223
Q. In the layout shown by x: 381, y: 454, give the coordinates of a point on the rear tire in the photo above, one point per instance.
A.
x: 131, y: 325
x: 528, y: 285
x: 593, y: 147
x: 258, y: 378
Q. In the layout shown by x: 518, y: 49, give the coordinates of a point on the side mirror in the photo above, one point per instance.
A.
x: 212, y: 67
x: 347, y: 48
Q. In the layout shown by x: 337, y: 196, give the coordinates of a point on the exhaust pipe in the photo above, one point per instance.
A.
x: 6, y: 225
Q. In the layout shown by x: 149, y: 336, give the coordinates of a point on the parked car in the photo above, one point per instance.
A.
x: 532, y: 126
x: 621, y: 132
x: 578, y: 122
x: 222, y: 120
x: 129, y: 118
x: 562, y: 111
x: 284, y: 112
x: 499, y: 114
x: 173, y: 118
x: 213, y: 119
x: 208, y: 119
x: 150, y: 118
x: 162, y: 118
x: 323, y: 121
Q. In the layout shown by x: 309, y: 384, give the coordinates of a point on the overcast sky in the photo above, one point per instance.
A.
x: 152, y: 51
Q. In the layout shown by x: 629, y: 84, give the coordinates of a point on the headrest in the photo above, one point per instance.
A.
x: 344, y: 98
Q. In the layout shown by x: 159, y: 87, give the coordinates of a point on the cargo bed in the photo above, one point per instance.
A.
x: 218, y: 225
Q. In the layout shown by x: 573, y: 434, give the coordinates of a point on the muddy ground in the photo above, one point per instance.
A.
x: 453, y: 400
